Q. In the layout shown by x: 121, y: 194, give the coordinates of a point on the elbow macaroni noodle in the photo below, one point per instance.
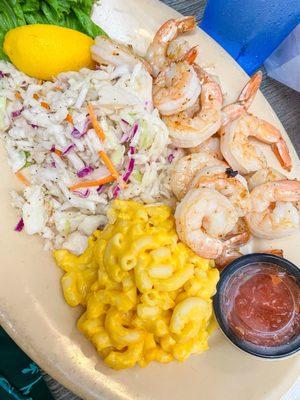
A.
x: 147, y: 296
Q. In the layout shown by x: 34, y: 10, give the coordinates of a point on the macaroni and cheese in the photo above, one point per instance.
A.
x: 146, y: 295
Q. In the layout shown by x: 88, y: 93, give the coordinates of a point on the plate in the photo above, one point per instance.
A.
x: 32, y: 308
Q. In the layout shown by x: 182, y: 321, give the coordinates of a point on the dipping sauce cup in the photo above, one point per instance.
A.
x: 257, y: 305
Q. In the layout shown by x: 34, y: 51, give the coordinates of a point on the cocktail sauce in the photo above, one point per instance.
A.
x: 261, y: 303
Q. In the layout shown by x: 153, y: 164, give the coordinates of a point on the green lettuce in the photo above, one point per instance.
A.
x: 74, y: 14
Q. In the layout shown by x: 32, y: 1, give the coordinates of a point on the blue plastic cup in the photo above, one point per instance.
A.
x: 250, y: 30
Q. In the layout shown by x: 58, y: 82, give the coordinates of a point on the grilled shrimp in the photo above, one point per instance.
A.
x: 177, y: 50
x: 210, y: 145
x: 274, y: 209
x: 227, y: 182
x: 157, y: 53
x: 203, y: 218
x: 177, y: 86
x: 193, y: 126
x: 239, y: 236
x: 185, y: 169
x: 106, y: 51
x: 229, y: 113
x: 264, y: 175
x: 243, y: 155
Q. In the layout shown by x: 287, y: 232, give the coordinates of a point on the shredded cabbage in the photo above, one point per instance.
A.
x: 3, y: 118
x: 55, y: 154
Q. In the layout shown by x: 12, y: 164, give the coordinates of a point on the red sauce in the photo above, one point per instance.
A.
x: 262, y: 304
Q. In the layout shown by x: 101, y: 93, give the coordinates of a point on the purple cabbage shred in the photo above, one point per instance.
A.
x: 68, y: 149
x: 17, y: 113
x: 100, y: 189
x: 171, y: 157
x: 85, y: 171
x: 77, y: 134
x: 20, y: 225
x: 116, y: 191
x: 129, y: 170
x: 81, y: 194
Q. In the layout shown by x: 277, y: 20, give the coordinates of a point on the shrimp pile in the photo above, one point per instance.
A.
x: 219, y: 209
x: 226, y: 190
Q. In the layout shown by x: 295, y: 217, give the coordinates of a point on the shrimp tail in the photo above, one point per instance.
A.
x: 248, y: 93
x: 191, y: 55
x: 226, y: 258
x: 186, y: 24
x: 268, y: 133
x: 275, y: 252
x: 239, y: 236
x: 234, y: 110
x: 174, y: 27
x: 282, y: 153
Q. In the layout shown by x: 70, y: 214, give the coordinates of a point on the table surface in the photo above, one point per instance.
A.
x: 285, y: 102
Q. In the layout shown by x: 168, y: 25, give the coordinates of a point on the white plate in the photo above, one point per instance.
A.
x: 33, y: 311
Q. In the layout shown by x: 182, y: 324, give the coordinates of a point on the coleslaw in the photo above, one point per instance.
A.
x: 53, y: 146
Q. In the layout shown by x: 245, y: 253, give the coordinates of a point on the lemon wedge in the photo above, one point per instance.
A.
x: 43, y: 51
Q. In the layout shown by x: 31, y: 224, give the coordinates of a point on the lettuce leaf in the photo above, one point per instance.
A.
x: 74, y: 14
x: 8, y: 20
x: 90, y: 28
x: 30, y: 6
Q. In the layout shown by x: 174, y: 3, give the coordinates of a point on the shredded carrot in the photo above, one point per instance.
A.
x: 22, y: 178
x: 69, y: 118
x: 36, y: 96
x: 95, y: 123
x: 110, y: 166
x: 58, y: 152
x: 40, y: 82
x: 58, y: 89
x: 87, y: 184
x: 45, y: 105
x: 18, y: 96
x: 101, y: 135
